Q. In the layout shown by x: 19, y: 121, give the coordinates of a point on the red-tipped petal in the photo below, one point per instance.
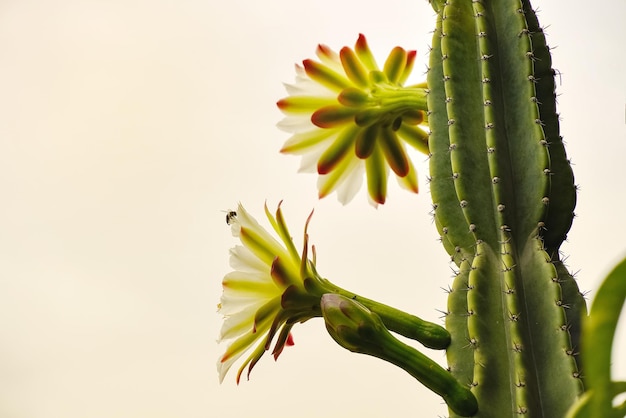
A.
x: 366, y: 140
x: 394, y: 153
x: 284, y: 339
x: 376, y: 176
x: 353, y: 67
x: 327, y: 183
x: 337, y: 151
x: 303, y: 104
x: 410, y: 61
x: 326, y: 54
x: 365, y: 55
x: 325, y: 76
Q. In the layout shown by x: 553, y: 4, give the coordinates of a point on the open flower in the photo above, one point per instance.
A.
x: 274, y: 287
x: 347, y: 116
x: 271, y: 288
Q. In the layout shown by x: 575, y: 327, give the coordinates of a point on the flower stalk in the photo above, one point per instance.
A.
x: 360, y: 330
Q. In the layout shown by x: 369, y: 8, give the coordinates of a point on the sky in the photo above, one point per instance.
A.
x: 127, y: 128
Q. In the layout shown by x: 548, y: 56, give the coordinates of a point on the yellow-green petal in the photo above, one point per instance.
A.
x: 337, y: 150
x: 415, y: 137
x: 366, y: 140
x: 409, y: 182
x: 303, y: 141
x: 303, y: 104
x: 353, y: 67
x: 325, y: 76
x: 394, y: 152
x: 376, y: 176
x: 327, y: 183
x: 364, y: 53
x: 408, y: 67
x: 333, y: 116
x: 395, y: 63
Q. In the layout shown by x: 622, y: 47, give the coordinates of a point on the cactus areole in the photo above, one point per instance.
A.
x: 503, y: 196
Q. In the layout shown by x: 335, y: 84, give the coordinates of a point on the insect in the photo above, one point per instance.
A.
x: 230, y: 217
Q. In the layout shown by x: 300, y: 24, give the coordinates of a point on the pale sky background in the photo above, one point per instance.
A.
x: 128, y: 126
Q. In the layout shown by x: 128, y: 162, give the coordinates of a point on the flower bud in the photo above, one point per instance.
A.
x: 352, y: 325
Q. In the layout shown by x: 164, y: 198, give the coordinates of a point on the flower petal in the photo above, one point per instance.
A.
x: 408, y: 67
x: 333, y: 116
x: 355, y: 71
x: 337, y: 151
x: 295, y: 124
x: 394, y: 152
x: 325, y: 76
x: 242, y: 259
x: 394, y: 66
x: 238, y: 323
x: 304, y: 104
x: 285, y: 274
x: 246, y: 284
x: 257, y: 239
x: 351, y: 183
x: 302, y: 142
x: 409, y: 182
x: 327, y: 183
x: 353, y: 97
x: 308, y: 164
x: 329, y: 57
x: 365, y: 55
x: 376, y: 176
x: 366, y: 140
x: 415, y: 137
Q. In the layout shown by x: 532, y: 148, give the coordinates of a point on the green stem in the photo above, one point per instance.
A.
x: 427, y: 333
x: 458, y: 397
x: 395, y: 99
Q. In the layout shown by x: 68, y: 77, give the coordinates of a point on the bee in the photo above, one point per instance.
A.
x: 230, y: 217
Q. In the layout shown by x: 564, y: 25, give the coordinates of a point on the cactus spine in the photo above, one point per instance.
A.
x: 503, y: 196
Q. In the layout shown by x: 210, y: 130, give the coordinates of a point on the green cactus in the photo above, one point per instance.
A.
x: 503, y: 196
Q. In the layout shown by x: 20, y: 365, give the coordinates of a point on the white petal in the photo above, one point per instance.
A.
x: 224, y: 367
x: 352, y: 183
x: 296, y: 124
x: 242, y: 259
x: 270, y: 244
x: 308, y: 164
x: 237, y: 324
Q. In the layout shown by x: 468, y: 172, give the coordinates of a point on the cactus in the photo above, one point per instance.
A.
x: 503, y: 197
x: 503, y: 202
